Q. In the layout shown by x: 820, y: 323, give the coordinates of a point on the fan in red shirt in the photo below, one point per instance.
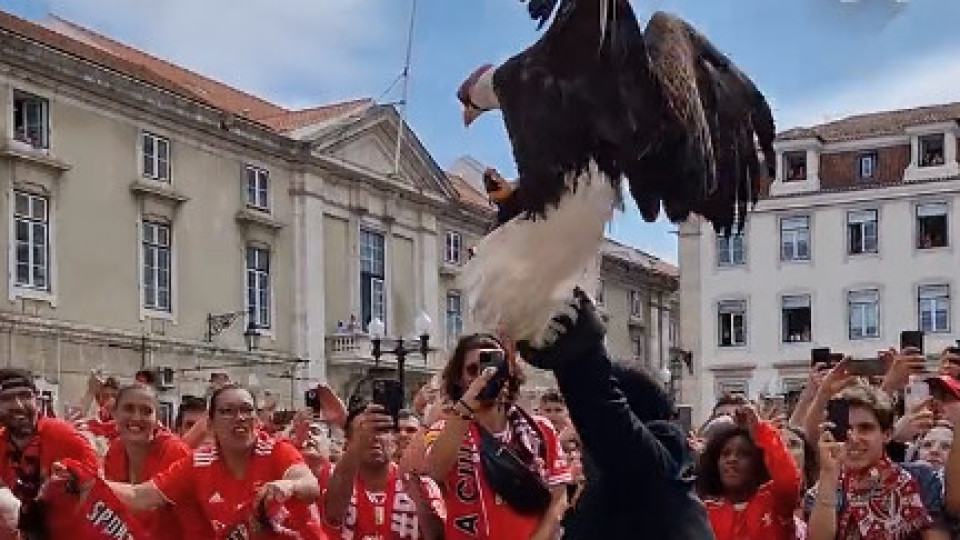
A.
x: 144, y: 449
x: 749, y: 481
x: 482, y: 404
x: 243, y: 465
x: 367, y: 497
x: 32, y: 446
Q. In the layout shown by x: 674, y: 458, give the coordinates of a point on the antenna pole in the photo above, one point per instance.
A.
x: 403, y: 96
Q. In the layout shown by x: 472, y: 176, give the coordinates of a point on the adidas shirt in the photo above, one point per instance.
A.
x: 204, y: 480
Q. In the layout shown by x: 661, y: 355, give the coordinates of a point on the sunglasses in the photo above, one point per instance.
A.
x: 409, y: 430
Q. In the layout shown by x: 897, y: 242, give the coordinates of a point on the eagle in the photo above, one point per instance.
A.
x: 595, y: 101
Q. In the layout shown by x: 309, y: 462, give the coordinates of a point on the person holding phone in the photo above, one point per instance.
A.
x: 481, y: 382
x: 369, y: 497
x: 861, y: 493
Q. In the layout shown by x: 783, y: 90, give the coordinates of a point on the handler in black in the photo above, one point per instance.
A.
x: 639, y: 473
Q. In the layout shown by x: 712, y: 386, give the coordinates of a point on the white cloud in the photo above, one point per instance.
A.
x: 916, y: 81
x: 298, y: 52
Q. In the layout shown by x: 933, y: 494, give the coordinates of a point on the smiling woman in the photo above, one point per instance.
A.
x: 227, y: 480
x: 143, y: 449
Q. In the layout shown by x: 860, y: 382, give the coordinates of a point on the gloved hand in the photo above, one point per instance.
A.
x: 576, y: 338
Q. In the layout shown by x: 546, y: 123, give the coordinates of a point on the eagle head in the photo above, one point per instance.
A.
x: 477, y: 94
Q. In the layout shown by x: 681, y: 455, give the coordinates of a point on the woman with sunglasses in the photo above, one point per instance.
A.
x: 142, y: 450
x: 484, y: 416
x: 242, y: 466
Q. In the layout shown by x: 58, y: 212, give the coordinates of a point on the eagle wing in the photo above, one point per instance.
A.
x: 717, y: 116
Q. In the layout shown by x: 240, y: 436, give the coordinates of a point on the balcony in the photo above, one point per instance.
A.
x: 354, y: 350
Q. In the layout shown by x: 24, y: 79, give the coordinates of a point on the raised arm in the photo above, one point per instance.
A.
x: 612, y: 434
x: 784, y: 473
x: 139, y: 497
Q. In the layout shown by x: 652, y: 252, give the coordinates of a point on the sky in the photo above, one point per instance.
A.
x: 815, y: 60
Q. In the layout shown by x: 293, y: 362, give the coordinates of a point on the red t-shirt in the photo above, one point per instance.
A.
x: 53, y: 440
x: 502, y: 522
x: 166, y: 449
x: 204, y: 479
x: 404, y: 521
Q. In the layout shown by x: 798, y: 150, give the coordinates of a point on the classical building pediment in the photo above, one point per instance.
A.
x: 367, y: 140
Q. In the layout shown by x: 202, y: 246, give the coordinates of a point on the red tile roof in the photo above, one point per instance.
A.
x: 877, y: 124
x: 90, y: 46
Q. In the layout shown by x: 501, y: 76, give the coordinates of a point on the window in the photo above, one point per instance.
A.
x: 454, y: 318
x: 862, y: 232
x: 731, y: 387
x: 932, y: 225
x: 730, y: 250
x: 732, y: 323
x: 156, y: 157
x: 31, y: 122
x: 600, y: 287
x: 931, y: 150
x: 636, y: 304
x: 795, y: 238
x: 32, y: 240
x: 868, y: 165
x: 933, y: 302
x: 864, y: 313
x: 638, y: 347
x: 156, y: 266
x: 258, y: 188
x: 453, y: 247
x: 795, y: 166
x: 797, y: 319
x: 373, y: 297
x: 258, y: 285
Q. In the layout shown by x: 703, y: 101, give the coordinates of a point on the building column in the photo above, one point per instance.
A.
x: 309, y: 295
x: 429, y: 263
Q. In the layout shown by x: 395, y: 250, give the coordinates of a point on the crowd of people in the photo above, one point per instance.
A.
x: 600, y: 457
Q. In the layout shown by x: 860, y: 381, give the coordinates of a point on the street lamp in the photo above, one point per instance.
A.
x: 217, y: 323
x: 423, y: 326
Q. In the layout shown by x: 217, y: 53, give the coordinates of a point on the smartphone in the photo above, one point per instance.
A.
x: 311, y: 399
x: 282, y: 419
x: 495, y: 358
x: 389, y: 394
x: 838, y: 414
x: 911, y: 338
x: 820, y: 355
x: 867, y: 367
x: 834, y: 358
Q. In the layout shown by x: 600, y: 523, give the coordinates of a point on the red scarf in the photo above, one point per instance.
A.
x: 381, y: 516
x: 881, y: 503
x: 467, y: 501
x: 87, y: 507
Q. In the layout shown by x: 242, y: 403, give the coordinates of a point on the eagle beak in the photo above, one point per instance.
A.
x: 469, y: 115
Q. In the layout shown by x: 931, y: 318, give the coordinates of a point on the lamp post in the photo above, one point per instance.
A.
x: 678, y: 359
x: 423, y: 326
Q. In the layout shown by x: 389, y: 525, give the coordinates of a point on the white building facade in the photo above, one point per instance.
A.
x: 855, y: 242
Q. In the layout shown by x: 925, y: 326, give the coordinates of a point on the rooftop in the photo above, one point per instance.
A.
x: 878, y: 124
x: 90, y: 46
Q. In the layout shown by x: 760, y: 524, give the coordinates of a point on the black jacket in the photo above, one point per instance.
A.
x: 639, y: 481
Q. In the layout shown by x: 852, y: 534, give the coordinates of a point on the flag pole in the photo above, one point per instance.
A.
x: 405, y: 75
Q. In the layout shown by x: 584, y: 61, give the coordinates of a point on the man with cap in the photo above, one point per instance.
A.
x: 32, y: 444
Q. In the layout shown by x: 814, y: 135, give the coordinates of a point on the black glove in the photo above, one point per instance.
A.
x: 576, y: 339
